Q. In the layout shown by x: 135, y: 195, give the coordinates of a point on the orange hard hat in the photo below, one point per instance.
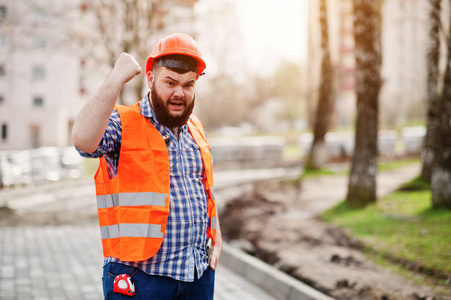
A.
x: 176, y: 43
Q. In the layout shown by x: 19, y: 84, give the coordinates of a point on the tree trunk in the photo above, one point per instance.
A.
x: 429, y: 154
x: 441, y: 173
x: 317, y: 154
x: 362, y: 179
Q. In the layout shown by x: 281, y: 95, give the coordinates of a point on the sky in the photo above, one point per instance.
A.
x: 272, y: 31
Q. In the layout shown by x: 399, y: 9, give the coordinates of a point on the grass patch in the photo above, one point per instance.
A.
x: 416, y: 184
x: 402, y: 228
x: 324, y: 171
x: 306, y: 173
x: 395, y: 164
x: 382, y: 166
x: 317, y: 173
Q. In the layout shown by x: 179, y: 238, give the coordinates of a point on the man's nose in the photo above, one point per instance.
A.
x: 178, y: 91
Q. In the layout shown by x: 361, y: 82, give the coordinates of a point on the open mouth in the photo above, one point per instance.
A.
x: 176, y: 104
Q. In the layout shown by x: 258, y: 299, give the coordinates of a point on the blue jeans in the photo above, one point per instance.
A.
x: 152, y: 287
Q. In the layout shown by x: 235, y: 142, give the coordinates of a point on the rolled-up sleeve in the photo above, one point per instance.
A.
x: 111, y: 140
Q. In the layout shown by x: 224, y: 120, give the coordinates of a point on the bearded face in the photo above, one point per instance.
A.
x: 163, y: 111
x: 172, y: 97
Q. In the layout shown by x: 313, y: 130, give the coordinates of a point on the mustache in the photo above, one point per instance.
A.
x: 177, y: 100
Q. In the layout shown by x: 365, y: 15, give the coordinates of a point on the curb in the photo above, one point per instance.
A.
x: 272, y: 280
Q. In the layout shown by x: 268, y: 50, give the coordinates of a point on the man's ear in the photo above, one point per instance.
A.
x: 150, y: 79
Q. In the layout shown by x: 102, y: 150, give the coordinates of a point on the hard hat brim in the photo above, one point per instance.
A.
x: 200, y: 62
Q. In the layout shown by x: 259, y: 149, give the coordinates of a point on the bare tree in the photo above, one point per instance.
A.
x: 367, y: 28
x: 35, y: 25
x: 325, y: 106
x: 125, y: 26
x: 429, y: 154
x: 441, y: 172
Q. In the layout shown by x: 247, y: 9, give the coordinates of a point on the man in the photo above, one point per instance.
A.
x: 154, y: 183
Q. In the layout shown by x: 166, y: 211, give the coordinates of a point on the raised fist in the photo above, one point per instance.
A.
x: 125, y: 68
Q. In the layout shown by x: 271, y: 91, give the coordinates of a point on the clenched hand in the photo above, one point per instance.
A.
x: 125, y: 68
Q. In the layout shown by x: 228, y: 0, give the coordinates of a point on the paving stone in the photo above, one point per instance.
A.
x: 53, y: 267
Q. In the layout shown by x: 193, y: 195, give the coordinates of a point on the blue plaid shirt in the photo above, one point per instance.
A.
x: 183, y: 247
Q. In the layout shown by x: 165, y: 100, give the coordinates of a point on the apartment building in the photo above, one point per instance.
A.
x: 41, y: 75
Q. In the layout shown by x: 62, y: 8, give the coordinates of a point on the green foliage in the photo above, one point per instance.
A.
x: 401, y: 228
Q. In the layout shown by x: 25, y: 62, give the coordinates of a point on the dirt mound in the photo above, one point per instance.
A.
x: 277, y: 223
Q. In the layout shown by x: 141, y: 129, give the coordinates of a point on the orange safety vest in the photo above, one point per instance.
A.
x: 134, y: 206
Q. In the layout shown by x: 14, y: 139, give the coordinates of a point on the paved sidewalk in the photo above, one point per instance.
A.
x: 65, y: 262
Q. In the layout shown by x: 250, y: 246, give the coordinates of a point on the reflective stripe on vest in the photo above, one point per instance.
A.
x: 131, y: 199
x: 131, y: 230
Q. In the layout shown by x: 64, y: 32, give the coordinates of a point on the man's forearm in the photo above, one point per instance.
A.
x: 218, y: 235
x: 93, y: 119
x: 218, y: 247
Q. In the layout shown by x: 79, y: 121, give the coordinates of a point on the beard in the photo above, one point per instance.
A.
x: 162, y: 111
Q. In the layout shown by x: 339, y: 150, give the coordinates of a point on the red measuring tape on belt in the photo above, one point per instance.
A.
x: 123, y: 284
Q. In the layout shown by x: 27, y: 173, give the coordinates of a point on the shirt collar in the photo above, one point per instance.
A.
x: 147, y: 109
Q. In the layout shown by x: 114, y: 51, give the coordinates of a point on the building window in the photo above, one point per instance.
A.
x: 2, y: 71
x: 38, y: 101
x: 38, y: 73
x: 4, y: 132
x: 2, y: 99
x: 2, y: 12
